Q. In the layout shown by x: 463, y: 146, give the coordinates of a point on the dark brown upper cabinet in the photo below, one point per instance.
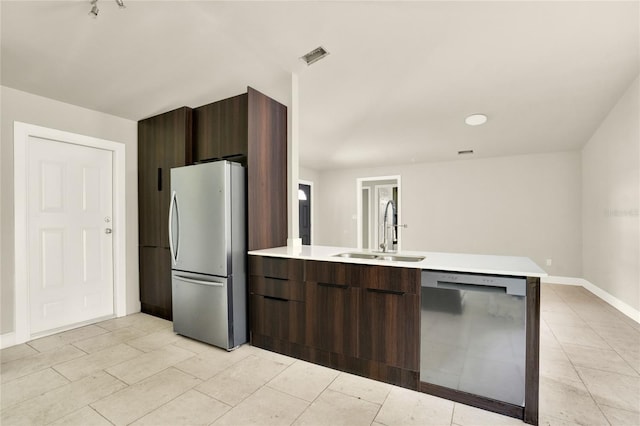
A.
x: 250, y: 128
x: 164, y: 141
x: 220, y: 129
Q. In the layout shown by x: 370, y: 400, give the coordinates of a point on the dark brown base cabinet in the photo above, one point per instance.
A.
x: 359, y: 319
x: 364, y: 320
x: 329, y: 318
x: 155, y: 279
x: 387, y: 321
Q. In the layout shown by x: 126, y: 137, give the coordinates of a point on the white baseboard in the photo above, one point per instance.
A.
x: 629, y: 311
x: 7, y: 339
x: 561, y: 280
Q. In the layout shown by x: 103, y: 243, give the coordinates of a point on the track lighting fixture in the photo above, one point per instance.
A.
x: 94, y: 7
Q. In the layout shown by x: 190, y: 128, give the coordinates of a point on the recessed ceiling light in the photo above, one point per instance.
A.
x: 476, y: 119
x: 315, y: 55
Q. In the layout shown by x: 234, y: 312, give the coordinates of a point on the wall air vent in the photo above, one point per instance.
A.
x: 465, y: 151
x: 315, y: 55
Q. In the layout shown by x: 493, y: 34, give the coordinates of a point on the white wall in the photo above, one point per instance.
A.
x: 523, y: 205
x: 611, y: 201
x: 21, y: 106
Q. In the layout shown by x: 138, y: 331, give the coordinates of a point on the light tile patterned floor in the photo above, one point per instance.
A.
x: 135, y: 370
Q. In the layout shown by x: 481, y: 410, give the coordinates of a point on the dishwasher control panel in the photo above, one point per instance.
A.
x: 516, y: 286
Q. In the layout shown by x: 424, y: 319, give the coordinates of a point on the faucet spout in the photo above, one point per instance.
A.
x: 384, y: 245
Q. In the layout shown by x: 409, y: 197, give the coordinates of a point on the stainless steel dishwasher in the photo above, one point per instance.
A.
x: 473, y: 334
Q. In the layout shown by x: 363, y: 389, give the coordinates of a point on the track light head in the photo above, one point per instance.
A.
x: 94, y: 9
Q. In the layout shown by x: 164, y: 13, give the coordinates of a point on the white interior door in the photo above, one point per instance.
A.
x: 70, y: 247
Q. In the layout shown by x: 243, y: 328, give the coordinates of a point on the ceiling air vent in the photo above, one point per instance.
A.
x: 315, y: 55
x: 466, y: 151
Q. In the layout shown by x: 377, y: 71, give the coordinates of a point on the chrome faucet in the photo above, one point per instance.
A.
x: 385, y: 245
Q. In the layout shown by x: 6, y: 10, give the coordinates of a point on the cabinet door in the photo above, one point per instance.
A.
x: 278, y: 318
x: 149, y: 176
x: 389, y: 328
x: 175, y: 151
x: 266, y: 172
x: 164, y: 141
x: 220, y: 129
x: 155, y: 281
x: 331, y: 320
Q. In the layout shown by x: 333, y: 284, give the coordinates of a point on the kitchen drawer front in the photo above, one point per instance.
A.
x: 278, y: 318
x: 389, y: 278
x: 332, y: 273
x: 276, y: 267
x: 277, y: 287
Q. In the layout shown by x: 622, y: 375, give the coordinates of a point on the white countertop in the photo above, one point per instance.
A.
x: 476, y: 263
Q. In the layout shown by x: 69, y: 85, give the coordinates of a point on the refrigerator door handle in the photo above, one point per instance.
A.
x: 174, y: 206
x: 193, y: 281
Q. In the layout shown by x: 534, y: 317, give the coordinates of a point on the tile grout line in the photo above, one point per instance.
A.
x: 35, y: 396
x: 591, y: 395
x: 252, y: 393
x: 317, y: 396
x: 576, y: 370
x: 382, y: 405
x: 172, y: 399
x: 589, y: 326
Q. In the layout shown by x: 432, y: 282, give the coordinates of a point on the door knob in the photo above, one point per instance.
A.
x: 108, y: 231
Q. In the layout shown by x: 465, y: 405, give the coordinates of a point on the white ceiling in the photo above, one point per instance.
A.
x: 399, y: 80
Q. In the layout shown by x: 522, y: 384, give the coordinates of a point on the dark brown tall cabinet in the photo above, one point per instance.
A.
x: 250, y: 128
x: 164, y: 141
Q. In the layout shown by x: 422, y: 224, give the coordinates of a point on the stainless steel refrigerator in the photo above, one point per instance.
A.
x: 207, y: 238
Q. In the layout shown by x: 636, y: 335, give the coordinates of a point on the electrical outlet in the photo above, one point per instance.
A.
x: 549, y: 262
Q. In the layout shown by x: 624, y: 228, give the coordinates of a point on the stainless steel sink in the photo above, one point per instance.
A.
x: 381, y: 256
x: 357, y: 255
x: 398, y: 258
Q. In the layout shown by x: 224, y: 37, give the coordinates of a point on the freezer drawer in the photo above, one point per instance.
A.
x: 200, y: 308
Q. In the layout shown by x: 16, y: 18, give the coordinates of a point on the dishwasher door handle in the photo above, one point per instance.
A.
x: 471, y: 287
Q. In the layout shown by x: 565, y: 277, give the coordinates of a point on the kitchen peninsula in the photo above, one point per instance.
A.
x: 385, y: 315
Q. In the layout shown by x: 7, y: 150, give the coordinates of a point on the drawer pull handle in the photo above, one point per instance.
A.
x: 333, y: 285
x: 275, y: 278
x: 278, y: 299
x: 377, y: 290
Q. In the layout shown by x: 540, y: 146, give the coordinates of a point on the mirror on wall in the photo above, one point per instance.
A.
x: 377, y: 195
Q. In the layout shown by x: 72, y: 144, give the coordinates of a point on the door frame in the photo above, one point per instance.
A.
x: 359, y: 182
x: 376, y: 213
x: 369, y: 215
x: 311, y: 194
x: 21, y: 134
